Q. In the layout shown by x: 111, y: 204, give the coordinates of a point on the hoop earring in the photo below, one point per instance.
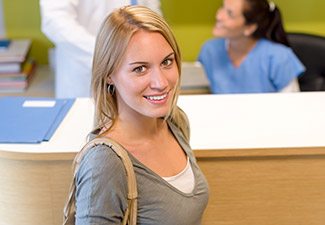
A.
x: 272, y: 6
x: 111, y: 89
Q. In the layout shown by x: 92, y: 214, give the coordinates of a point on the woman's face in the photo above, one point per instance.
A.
x: 147, y: 78
x: 230, y: 22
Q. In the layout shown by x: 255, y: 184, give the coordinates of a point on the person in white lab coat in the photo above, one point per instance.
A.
x: 72, y: 26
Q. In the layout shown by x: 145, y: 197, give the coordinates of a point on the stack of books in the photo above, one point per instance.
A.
x: 16, y: 68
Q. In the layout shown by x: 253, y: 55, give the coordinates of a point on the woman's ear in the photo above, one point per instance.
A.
x: 109, y: 80
x: 250, y: 29
x: 110, y: 85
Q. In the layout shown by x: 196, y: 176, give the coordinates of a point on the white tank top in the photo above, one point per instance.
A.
x: 184, y: 181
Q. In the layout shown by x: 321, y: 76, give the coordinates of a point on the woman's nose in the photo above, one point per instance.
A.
x: 158, y: 79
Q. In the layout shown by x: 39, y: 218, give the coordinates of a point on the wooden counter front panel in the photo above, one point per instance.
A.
x: 265, y: 190
x: 244, y: 190
x: 33, y: 192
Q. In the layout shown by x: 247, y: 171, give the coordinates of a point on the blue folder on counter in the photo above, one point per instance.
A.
x: 31, y: 120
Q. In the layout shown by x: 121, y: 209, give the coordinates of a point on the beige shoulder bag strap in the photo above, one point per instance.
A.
x: 130, y: 216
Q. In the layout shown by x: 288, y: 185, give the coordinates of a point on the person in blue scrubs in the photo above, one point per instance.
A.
x: 250, y: 52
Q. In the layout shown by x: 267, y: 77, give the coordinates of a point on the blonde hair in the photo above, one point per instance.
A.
x: 111, y: 44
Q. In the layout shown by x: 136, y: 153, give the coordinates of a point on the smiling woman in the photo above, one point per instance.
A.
x: 135, y: 85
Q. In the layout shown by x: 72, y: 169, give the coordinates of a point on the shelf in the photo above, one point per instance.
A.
x: 42, y: 84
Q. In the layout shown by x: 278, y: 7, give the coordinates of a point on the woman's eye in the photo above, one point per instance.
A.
x: 139, y: 69
x: 167, y: 62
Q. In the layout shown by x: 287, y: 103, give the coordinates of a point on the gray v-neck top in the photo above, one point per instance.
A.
x: 101, y: 196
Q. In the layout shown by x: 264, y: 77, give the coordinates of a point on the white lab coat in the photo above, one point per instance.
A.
x: 72, y: 26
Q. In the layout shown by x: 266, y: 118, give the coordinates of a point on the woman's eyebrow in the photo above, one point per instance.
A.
x: 143, y: 62
x: 169, y: 55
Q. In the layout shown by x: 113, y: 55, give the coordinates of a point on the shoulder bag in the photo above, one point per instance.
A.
x: 130, y: 216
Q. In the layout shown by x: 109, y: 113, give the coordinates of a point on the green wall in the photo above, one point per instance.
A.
x: 22, y: 20
x: 191, y: 21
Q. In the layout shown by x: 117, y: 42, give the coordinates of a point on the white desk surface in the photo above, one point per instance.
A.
x: 218, y: 122
x: 246, y: 121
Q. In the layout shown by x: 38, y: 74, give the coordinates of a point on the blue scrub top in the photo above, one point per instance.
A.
x: 268, y: 67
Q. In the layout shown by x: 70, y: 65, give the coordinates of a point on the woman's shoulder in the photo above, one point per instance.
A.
x: 100, y: 156
x: 214, y: 43
x: 275, y: 51
x: 273, y: 47
x: 212, y: 50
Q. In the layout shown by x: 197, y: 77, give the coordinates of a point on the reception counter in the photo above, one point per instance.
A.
x: 263, y: 156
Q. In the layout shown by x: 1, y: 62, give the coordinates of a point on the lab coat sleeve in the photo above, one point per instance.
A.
x: 59, y: 23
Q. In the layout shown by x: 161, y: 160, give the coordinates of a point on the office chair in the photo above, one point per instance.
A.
x: 310, y: 49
